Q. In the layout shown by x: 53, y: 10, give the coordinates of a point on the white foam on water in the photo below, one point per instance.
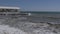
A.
x: 40, y: 28
x: 5, y: 29
x: 29, y: 14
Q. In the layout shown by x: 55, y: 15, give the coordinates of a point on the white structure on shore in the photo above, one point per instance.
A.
x: 3, y: 8
x: 11, y: 11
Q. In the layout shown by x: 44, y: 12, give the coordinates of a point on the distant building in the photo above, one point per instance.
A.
x: 12, y: 12
x: 3, y: 8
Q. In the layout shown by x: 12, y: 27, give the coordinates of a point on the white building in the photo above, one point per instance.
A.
x: 11, y: 11
x: 4, y: 8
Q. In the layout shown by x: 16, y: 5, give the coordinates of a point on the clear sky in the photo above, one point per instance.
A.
x: 33, y: 5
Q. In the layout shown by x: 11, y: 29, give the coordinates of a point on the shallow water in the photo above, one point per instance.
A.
x: 31, y: 24
x: 54, y: 18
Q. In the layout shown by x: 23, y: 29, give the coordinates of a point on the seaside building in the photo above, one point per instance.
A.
x: 9, y: 9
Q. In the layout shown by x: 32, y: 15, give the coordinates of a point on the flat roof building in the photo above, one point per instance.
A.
x: 3, y: 7
x: 9, y: 9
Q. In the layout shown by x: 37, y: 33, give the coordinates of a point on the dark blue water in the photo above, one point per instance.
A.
x: 41, y: 12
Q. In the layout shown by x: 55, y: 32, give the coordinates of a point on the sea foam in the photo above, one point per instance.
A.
x: 5, y: 29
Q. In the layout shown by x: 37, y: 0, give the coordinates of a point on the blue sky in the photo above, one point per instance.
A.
x: 33, y: 5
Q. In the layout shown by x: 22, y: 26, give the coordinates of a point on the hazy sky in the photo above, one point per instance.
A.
x: 36, y: 5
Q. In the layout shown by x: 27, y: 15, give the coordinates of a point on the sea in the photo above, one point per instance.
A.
x: 44, y: 16
x: 39, y: 22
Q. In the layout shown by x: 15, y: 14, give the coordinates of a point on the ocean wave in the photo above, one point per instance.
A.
x: 5, y: 29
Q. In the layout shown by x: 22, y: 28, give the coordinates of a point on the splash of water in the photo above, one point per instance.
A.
x: 5, y: 29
